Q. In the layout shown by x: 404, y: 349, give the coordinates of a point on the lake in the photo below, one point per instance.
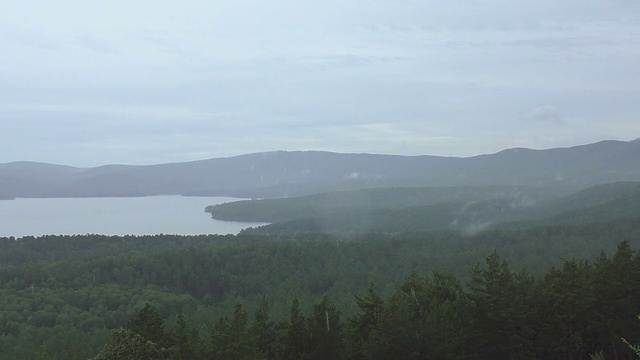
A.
x: 151, y: 215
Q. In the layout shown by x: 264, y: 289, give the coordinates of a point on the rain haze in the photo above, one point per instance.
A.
x: 90, y: 83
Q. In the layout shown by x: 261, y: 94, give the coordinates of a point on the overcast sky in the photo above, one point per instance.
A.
x: 88, y: 83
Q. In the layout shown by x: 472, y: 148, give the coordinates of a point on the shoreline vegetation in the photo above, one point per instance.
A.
x: 467, y: 210
x: 66, y: 294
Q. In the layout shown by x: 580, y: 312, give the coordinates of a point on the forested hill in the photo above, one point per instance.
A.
x: 282, y: 174
x: 464, y: 209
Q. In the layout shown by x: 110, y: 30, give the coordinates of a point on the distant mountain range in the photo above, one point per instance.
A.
x: 286, y: 174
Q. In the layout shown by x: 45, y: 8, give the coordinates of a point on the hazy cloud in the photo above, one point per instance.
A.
x: 118, y: 82
x: 545, y: 114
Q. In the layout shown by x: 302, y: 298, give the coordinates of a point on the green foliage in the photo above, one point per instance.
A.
x: 263, y: 331
x: 425, y: 318
x: 500, y: 315
x: 231, y: 338
x: 364, y: 326
x: 186, y: 341
x: 632, y: 347
x: 570, y: 299
x: 150, y: 326
x: 62, y: 300
x: 466, y: 210
x: 296, y: 340
x: 325, y: 331
x: 500, y: 310
x: 130, y: 346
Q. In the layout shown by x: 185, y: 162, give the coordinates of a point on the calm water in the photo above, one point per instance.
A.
x: 114, y: 216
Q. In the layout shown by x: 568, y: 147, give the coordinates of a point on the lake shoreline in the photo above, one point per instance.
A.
x: 140, y: 215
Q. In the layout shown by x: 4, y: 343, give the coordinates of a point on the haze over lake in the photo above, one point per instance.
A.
x: 114, y: 216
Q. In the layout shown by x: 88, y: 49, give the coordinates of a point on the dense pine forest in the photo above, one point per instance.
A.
x: 557, y: 291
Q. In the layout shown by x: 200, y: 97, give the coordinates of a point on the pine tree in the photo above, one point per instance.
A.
x: 325, y: 330
x: 187, y: 344
x: 296, y: 342
x: 364, y: 327
x: 128, y: 345
x: 263, y: 331
x: 568, y: 310
x: 616, y: 284
x: 231, y: 338
x: 500, y: 315
x: 150, y: 326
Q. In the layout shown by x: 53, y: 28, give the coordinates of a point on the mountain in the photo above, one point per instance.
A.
x: 284, y: 174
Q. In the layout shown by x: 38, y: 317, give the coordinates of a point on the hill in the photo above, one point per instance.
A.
x: 284, y: 174
x: 464, y: 209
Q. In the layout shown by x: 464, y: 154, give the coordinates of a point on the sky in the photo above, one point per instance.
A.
x: 89, y: 83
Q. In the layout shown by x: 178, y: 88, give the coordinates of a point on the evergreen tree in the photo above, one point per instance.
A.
x: 446, y: 328
x: 426, y: 318
x: 263, y: 331
x: 296, y: 341
x: 364, y: 327
x: 635, y: 348
x: 130, y: 346
x: 150, y: 326
x: 568, y: 305
x: 616, y: 285
x: 402, y: 321
x: 325, y: 331
x: 187, y: 344
x: 500, y: 315
x: 231, y: 338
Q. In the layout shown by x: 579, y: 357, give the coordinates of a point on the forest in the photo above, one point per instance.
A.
x: 554, y: 291
x: 466, y: 209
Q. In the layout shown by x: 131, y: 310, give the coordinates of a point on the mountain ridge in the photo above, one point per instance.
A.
x: 295, y: 173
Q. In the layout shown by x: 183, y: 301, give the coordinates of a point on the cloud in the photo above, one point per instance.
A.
x: 142, y: 83
x: 96, y: 44
x: 544, y: 114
